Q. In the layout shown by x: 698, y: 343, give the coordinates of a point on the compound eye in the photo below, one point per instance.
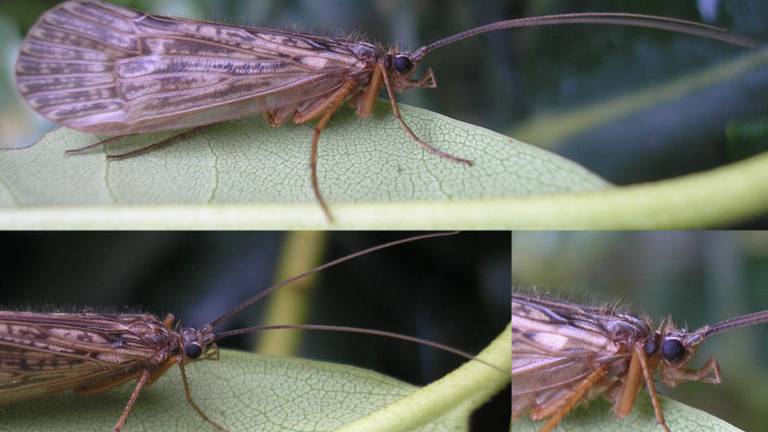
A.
x: 403, y: 64
x: 672, y: 350
x: 193, y: 351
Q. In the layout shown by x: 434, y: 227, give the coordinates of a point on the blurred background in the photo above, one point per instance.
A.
x: 630, y: 104
x: 698, y: 278
x: 453, y: 290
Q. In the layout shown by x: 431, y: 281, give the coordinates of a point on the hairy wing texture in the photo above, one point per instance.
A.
x: 100, y: 68
x: 43, y: 353
x: 554, y: 347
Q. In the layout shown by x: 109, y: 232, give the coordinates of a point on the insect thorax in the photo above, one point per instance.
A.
x: 366, y: 51
x: 627, y: 329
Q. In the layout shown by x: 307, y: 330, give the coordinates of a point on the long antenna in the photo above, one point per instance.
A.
x: 607, y: 18
x: 358, y: 330
x: 244, y: 305
x: 739, y: 321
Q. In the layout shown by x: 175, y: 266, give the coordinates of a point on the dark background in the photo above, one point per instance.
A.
x: 453, y: 290
x: 698, y: 278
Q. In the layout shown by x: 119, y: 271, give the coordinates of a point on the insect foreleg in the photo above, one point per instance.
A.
x: 648, y: 376
x: 408, y: 130
x: 191, y: 402
x: 327, y: 109
x: 135, y: 394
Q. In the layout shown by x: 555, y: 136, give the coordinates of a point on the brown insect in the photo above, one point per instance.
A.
x: 88, y: 353
x: 104, y: 69
x: 564, y: 354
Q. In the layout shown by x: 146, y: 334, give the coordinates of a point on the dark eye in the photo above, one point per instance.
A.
x: 673, y: 350
x: 193, y: 351
x: 403, y: 64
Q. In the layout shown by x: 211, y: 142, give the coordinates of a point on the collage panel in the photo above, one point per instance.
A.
x: 376, y: 114
x: 449, y: 289
x: 587, y: 305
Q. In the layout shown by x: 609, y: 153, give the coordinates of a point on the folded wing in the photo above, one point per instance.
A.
x: 552, y: 352
x: 104, y: 69
x: 45, y: 353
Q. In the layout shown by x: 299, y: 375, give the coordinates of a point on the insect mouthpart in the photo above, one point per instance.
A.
x: 400, y: 68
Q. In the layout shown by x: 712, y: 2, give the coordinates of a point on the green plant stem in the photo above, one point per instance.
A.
x: 721, y: 196
x: 467, y: 387
x: 302, y: 250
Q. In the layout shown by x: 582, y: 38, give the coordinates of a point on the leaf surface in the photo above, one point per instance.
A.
x: 597, y: 417
x: 362, y: 162
x: 241, y: 392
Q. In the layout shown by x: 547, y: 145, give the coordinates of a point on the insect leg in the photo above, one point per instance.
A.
x: 188, y: 395
x: 368, y: 99
x: 269, y: 117
x: 576, y: 394
x: 409, y: 131
x: 648, y: 375
x: 631, y: 387
x: 142, y: 150
x: 428, y: 80
x: 327, y: 109
x: 160, y: 371
x: 709, y: 373
x: 135, y: 394
x: 96, y: 144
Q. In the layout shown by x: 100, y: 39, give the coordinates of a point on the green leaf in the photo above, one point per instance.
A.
x: 241, y: 391
x: 597, y: 417
x: 463, y: 389
x: 245, y: 166
x: 243, y: 174
x: 245, y: 391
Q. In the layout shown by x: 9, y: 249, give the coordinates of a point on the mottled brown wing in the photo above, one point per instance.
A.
x: 44, y: 353
x: 100, y: 68
x: 553, y: 349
